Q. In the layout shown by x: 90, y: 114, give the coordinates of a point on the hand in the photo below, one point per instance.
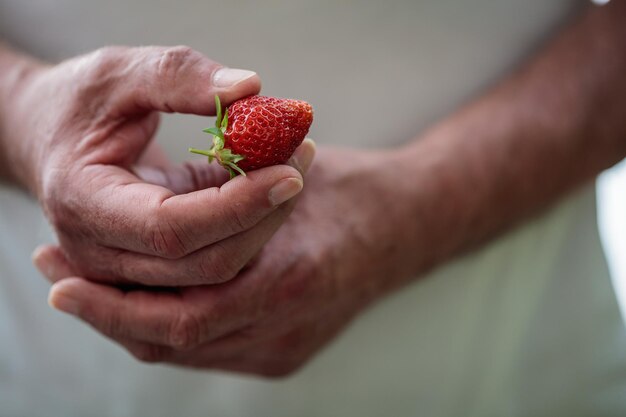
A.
x: 78, y: 130
x: 342, y: 247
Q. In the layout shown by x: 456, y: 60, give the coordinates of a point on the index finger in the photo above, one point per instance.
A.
x: 168, y: 79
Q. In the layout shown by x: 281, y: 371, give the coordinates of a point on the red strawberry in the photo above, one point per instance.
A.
x: 256, y: 132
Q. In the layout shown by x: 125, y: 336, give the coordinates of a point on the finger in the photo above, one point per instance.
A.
x: 214, y: 264
x: 248, y: 350
x: 183, y: 178
x: 144, y: 218
x: 165, y: 318
x: 52, y: 263
x: 108, y: 309
x: 238, y: 204
x: 176, y: 79
x: 303, y: 156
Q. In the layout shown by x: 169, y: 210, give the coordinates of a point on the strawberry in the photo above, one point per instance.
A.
x: 256, y: 132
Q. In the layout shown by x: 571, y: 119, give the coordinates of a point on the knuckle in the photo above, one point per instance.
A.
x: 99, y: 64
x: 164, y: 239
x: 185, y: 332
x: 97, y: 74
x: 208, y: 273
x: 106, y: 54
x: 119, y: 268
x: 238, y: 219
x: 172, y: 61
x: 220, y: 266
x: 303, y: 283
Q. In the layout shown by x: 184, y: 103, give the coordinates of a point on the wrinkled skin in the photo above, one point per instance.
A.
x: 85, y: 128
x: 364, y: 224
x: 125, y: 215
x: 322, y: 267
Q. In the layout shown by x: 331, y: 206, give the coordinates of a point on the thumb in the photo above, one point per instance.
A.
x: 175, y: 79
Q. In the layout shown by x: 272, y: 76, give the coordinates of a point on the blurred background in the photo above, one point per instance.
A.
x: 496, y: 333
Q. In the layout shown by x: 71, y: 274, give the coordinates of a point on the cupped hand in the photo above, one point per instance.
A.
x: 344, y: 245
x: 80, y: 129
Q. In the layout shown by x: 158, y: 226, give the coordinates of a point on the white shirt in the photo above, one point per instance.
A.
x: 527, y: 326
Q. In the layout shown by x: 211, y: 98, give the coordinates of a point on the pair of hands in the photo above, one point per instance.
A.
x: 176, y: 263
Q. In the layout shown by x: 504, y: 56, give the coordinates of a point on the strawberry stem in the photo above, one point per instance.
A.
x: 224, y: 156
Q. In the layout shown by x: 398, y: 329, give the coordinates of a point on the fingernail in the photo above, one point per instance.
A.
x: 228, y: 77
x: 284, y: 190
x: 63, y: 302
x: 304, y: 155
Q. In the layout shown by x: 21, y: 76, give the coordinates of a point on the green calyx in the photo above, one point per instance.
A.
x: 223, y: 156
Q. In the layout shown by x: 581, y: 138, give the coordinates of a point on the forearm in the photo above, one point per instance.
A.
x: 14, y: 70
x: 546, y: 130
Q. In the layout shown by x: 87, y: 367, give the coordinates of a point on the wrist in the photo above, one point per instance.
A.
x: 428, y: 212
x: 389, y: 248
x: 448, y: 185
x: 16, y: 72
